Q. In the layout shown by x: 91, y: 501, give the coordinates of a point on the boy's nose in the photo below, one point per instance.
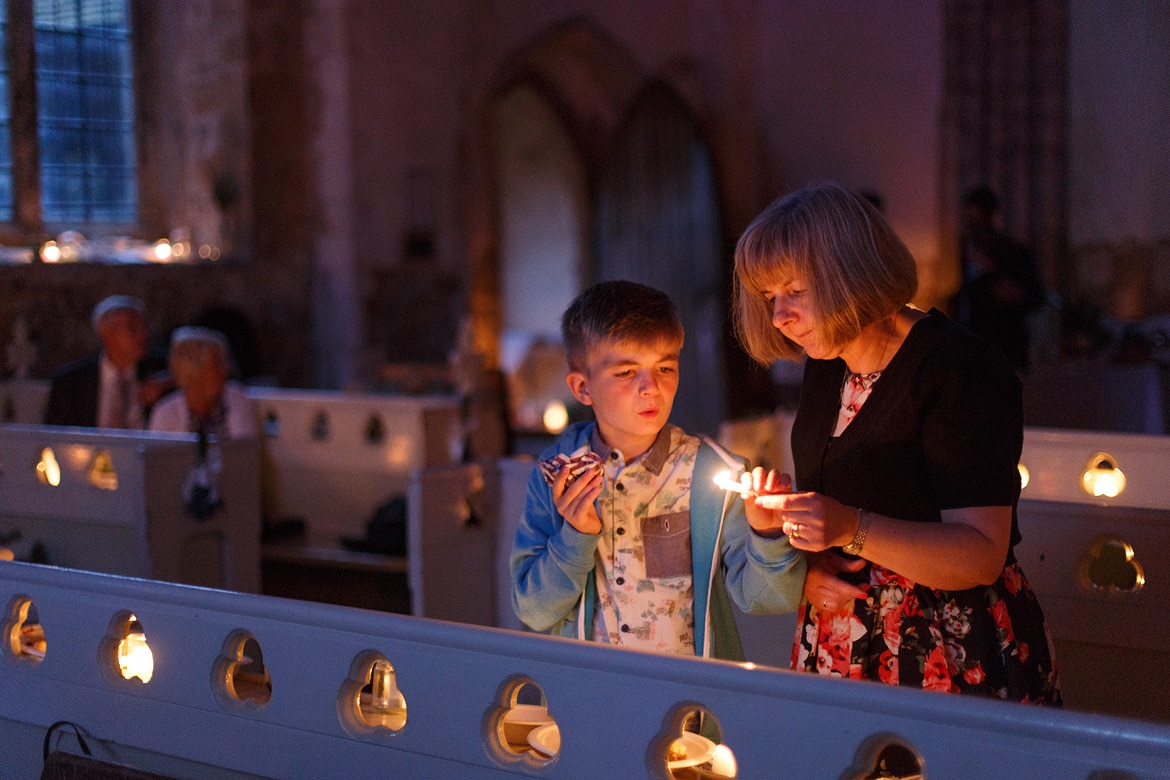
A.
x: 648, y: 384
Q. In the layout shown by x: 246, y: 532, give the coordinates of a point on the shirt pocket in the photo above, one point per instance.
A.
x: 666, y: 541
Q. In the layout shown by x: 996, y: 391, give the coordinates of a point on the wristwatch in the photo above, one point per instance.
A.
x: 854, y: 547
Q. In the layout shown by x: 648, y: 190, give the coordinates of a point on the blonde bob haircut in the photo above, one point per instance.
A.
x: 196, y: 350
x: 841, y: 249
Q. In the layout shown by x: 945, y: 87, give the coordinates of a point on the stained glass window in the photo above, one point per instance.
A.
x: 85, y: 111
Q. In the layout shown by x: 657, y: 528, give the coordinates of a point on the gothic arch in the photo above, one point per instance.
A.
x: 592, y: 82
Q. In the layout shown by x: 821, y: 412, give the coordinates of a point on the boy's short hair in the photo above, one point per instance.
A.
x: 618, y: 310
x: 836, y: 242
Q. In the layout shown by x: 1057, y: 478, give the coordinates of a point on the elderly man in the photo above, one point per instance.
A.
x: 109, y: 389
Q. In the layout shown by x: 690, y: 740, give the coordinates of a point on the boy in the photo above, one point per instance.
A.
x: 631, y: 543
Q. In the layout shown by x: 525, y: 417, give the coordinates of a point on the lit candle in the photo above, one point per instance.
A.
x: 725, y: 481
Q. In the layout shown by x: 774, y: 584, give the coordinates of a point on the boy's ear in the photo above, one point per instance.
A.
x: 579, y: 387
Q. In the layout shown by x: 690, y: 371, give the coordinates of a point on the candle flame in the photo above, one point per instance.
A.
x: 724, y: 481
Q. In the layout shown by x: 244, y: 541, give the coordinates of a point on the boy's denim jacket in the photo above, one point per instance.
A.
x: 552, y: 564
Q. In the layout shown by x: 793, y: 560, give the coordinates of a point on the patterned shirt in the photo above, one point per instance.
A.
x: 645, y: 584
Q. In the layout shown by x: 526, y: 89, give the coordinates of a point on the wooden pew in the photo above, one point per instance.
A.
x: 334, y: 457
x: 1110, y: 641
x: 113, y: 501
x: 331, y: 459
x: 1083, y: 555
x: 245, y: 686
x: 461, y: 522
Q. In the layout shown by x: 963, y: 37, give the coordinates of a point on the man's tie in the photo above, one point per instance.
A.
x: 125, y: 387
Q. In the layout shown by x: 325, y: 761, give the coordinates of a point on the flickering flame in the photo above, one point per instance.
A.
x: 724, y: 481
x: 135, y: 658
x: 1102, y: 477
x: 48, y: 470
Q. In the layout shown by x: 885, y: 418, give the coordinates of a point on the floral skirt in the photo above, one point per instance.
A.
x: 987, y: 641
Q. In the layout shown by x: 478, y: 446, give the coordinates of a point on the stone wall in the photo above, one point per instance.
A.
x: 376, y: 253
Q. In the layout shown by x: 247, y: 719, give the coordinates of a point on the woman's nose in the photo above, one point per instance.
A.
x: 782, y: 314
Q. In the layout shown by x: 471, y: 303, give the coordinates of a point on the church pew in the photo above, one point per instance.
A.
x: 251, y: 686
x: 332, y: 458
x: 113, y: 501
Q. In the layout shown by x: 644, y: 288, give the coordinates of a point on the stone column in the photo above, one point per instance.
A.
x: 336, y: 316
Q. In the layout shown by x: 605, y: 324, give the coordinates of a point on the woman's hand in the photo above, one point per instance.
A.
x: 574, y: 500
x: 823, y: 588
x: 811, y: 520
x: 759, y: 482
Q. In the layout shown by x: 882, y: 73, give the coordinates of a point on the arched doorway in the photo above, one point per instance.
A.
x: 657, y: 222
x: 542, y: 218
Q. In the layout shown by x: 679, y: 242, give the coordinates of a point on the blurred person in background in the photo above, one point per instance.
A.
x: 116, y: 387
x: 206, y: 401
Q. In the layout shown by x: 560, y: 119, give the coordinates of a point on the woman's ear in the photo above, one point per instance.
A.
x: 579, y: 387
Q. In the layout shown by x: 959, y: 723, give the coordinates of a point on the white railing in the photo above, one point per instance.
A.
x: 616, y: 709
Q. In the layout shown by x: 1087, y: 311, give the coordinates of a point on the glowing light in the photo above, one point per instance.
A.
x: 556, y: 417
x: 162, y: 250
x: 385, y: 705
x: 1025, y: 477
x: 723, y: 762
x: 1102, y: 478
x: 50, y: 252
x: 135, y: 658
x: 724, y: 481
x: 48, y: 470
x: 385, y: 696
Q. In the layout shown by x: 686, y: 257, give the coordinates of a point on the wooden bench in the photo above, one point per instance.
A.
x: 246, y: 686
x: 113, y: 501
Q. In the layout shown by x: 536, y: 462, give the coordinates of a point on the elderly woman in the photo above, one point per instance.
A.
x: 906, y: 444
x: 206, y: 400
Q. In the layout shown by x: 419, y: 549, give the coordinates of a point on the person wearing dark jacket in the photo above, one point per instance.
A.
x: 115, y: 387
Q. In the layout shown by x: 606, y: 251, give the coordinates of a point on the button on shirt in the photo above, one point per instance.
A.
x: 645, y: 585
x: 118, y: 404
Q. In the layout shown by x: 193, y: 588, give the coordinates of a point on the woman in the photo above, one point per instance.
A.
x: 906, y: 444
x: 206, y: 402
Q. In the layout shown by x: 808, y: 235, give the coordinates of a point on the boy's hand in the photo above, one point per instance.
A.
x: 575, y: 500
x: 758, y: 482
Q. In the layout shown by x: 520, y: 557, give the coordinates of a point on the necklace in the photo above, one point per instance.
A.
x: 856, y: 388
